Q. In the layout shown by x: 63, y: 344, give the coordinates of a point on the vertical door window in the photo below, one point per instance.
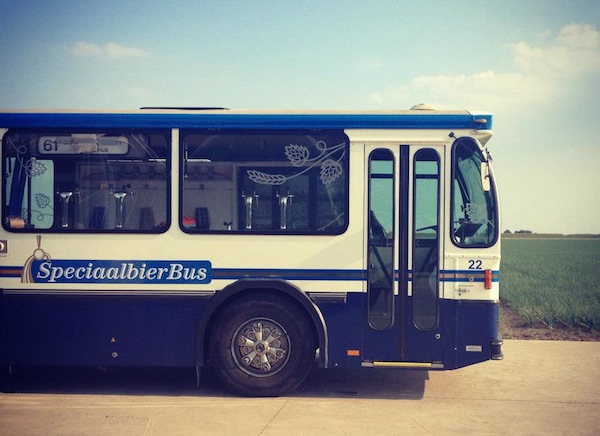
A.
x: 381, y: 237
x: 425, y: 238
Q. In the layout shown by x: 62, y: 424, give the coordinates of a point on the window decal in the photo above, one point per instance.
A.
x: 299, y: 156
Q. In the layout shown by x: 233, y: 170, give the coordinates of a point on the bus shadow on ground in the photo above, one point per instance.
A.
x: 321, y: 383
x: 364, y: 383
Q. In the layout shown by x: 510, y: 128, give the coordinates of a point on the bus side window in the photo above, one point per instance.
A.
x: 66, y: 181
x: 264, y: 182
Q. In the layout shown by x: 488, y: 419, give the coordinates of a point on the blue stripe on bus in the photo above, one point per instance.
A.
x: 305, y: 274
x: 289, y: 274
x: 455, y: 276
x: 245, y: 121
x: 255, y: 273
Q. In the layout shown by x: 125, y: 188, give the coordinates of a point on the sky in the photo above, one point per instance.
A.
x: 534, y: 64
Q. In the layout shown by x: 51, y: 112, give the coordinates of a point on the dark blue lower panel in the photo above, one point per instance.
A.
x: 462, y: 336
x: 476, y: 325
x: 345, y: 324
x: 121, y: 331
x: 161, y: 331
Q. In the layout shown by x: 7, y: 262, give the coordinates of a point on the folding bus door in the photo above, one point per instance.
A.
x: 403, y: 246
x: 424, y: 335
x: 383, y: 327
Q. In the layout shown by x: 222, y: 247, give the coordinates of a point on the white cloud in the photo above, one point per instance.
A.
x: 81, y: 48
x: 543, y: 74
x: 575, y: 50
x: 580, y: 36
x: 108, y: 51
x: 488, y: 88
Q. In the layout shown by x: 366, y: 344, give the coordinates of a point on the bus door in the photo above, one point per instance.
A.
x: 403, y: 252
x: 382, y: 335
x: 424, y: 336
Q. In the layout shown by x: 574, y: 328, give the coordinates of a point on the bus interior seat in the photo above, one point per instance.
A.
x: 202, y: 221
x: 146, y: 218
x: 98, y: 219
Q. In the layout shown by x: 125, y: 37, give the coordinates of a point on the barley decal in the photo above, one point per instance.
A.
x: 266, y: 179
x: 299, y: 157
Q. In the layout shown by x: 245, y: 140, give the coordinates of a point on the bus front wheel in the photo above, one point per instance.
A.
x: 262, y: 347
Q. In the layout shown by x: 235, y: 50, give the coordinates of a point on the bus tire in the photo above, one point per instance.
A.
x: 262, y: 347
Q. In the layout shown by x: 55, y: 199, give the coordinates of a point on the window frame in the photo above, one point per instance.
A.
x: 438, y: 250
x: 377, y: 319
x: 493, y: 196
x: 62, y: 157
x: 238, y: 165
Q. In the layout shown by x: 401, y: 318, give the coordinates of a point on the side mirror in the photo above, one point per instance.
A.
x: 485, y: 176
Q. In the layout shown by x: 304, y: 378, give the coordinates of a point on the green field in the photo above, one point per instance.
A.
x: 553, y: 281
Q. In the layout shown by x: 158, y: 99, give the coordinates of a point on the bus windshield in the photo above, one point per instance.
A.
x: 474, y: 210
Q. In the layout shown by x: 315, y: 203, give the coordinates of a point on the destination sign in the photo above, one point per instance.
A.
x: 83, y: 144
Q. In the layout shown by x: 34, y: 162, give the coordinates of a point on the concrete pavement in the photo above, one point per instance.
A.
x: 540, y: 387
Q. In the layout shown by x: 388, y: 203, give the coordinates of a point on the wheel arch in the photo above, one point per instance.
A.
x: 231, y: 293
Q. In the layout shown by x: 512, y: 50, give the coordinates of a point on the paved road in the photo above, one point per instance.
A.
x: 540, y: 388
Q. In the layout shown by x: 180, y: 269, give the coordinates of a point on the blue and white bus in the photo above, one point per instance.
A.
x: 251, y: 242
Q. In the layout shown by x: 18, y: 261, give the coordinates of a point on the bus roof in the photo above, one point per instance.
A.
x: 212, y: 118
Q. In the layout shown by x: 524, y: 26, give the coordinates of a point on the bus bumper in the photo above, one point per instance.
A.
x: 496, y: 348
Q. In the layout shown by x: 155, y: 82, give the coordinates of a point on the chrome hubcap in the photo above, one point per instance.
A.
x: 260, y: 347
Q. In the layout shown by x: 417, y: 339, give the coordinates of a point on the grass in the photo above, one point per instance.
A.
x: 552, y: 281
